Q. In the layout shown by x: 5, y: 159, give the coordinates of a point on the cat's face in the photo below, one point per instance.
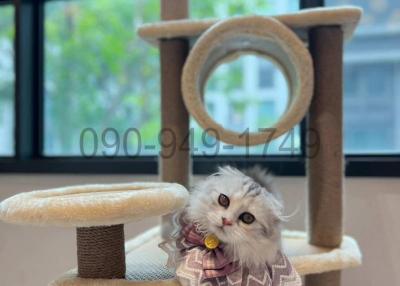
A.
x: 235, y: 208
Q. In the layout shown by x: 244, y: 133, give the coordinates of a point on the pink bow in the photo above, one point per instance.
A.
x: 214, y: 262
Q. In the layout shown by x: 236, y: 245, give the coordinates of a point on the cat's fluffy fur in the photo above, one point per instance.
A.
x: 249, y: 191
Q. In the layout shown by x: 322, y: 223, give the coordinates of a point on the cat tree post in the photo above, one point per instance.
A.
x: 325, y: 159
x: 101, y: 251
x: 175, y: 157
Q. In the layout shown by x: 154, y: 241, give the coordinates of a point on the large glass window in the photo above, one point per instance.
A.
x: 372, y: 79
x: 226, y: 8
x: 7, y: 75
x: 101, y: 80
x: 102, y: 89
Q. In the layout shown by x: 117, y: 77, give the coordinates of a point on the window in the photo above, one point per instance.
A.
x: 226, y: 8
x: 93, y: 91
x: 101, y: 80
x: 372, y: 77
x: 6, y: 80
x: 266, y: 75
x: 99, y: 76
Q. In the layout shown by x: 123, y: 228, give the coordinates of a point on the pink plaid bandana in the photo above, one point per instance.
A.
x: 197, y: 265
x: 214, y: 262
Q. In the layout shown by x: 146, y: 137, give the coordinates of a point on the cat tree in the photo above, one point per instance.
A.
x: 308, y: 46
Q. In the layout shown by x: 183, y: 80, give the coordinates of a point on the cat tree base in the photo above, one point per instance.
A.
x: 98, y: 213
x: 145, y: 261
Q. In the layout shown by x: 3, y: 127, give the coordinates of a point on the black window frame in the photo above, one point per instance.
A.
x: 29, y: 123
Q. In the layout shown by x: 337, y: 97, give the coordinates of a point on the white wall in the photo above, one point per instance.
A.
x: 33, y: 256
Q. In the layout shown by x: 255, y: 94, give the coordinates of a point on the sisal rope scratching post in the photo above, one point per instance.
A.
x: 332, y: 278
x: 325, y: 163
x: 101, y: 252
x: 175, y: 158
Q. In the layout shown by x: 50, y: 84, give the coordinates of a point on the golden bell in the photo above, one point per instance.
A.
x: 211, y: 241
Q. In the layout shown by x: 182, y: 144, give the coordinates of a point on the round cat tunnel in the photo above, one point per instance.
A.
x: 227, y: 40
x: 283, y: 39
x: 99, y: 213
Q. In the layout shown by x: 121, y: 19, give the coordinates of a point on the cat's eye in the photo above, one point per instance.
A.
x: 247, y: 218
x: 223, y: 200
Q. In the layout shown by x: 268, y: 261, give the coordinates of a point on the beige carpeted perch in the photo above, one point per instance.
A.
x: 345, y: 16
x: 93, y: 205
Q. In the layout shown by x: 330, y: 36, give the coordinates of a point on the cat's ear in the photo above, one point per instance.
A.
x: 261, y: 176
x: 264, y: 178
x: 229, y: 171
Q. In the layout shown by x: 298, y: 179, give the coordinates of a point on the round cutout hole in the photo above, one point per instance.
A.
x: 248, y: 92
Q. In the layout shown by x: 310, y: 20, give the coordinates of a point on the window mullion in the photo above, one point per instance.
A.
x: 29, y: 75
x: 311, y: 3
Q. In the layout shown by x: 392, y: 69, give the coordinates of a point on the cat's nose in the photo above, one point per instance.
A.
x: 226, y: 221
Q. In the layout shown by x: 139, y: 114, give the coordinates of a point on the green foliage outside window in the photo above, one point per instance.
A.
x: 100, y: 74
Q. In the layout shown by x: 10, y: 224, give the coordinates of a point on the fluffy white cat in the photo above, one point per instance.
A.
x: 242, y: 210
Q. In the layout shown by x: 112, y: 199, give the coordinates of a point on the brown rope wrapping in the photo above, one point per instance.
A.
x: 175, y: 163
x: 325, y: 163
x: 332, y: 278
x: 101, y: 252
